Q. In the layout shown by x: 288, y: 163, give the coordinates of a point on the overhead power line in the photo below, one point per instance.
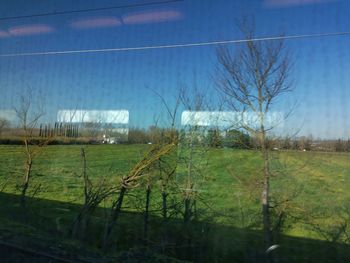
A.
x: 90, y: 10
x: 196, y: 44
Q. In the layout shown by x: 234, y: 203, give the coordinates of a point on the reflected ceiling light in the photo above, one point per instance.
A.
x: 98, y: 116
x: 27, y: 30
x: 151, y: 17
x: 96, y: 22
x: 229, y: 118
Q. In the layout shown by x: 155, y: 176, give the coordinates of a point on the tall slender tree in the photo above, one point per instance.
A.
x: 251, y: 80
x: 29, y: 111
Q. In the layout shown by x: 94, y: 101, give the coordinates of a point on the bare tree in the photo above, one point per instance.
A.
x: 192, y: 148
x: 4, y: 124
x: 132, y: 180
x: 93, y: 196
x: 250, y: 82
x: 147, y: 206
x: 167, y: 165
x: 29, y: 111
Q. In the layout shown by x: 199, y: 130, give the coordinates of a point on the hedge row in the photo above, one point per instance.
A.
x: 18, y: 141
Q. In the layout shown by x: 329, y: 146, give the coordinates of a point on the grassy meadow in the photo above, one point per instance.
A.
x: 309, y: 191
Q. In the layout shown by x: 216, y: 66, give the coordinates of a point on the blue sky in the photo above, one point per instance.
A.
x: 122, y: 80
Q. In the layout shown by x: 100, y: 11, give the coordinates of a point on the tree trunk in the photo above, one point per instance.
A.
x: 80, y: 223
x: 189, y: 184
x: 165, y: 218
x: 187, y: 212
x: 265, y: 198
x: 75, y: 229
x: 145, y: 223
x: 266, y: 213
x: 25, y: 185
x: 114, y: 216
x: 164, y: 204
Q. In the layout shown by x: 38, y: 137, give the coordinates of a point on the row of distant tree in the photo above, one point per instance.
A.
x: 89, y: 130
x: 308, y: 144
x: 213, y: 137
x: 239, y: 139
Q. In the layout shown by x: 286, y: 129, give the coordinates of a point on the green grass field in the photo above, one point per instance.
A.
x: 313, y: 185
